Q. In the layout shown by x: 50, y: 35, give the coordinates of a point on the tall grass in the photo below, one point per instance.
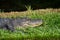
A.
x: 49, y: 30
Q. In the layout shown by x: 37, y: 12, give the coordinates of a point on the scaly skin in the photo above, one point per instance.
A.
x: 11, y: 24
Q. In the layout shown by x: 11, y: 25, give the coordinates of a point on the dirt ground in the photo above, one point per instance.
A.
x: 28, y: 12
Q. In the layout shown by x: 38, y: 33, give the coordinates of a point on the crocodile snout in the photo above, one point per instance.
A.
x: 35, y: 22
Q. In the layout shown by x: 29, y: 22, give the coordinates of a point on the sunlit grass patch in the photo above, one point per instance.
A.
x: 49, y: 30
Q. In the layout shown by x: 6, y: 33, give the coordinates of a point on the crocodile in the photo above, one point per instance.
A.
x: 12, y: 23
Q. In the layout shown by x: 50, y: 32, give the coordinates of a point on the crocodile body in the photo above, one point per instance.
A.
x: 11, y: 23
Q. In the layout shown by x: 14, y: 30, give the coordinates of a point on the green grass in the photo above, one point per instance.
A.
x: 49, y: 30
